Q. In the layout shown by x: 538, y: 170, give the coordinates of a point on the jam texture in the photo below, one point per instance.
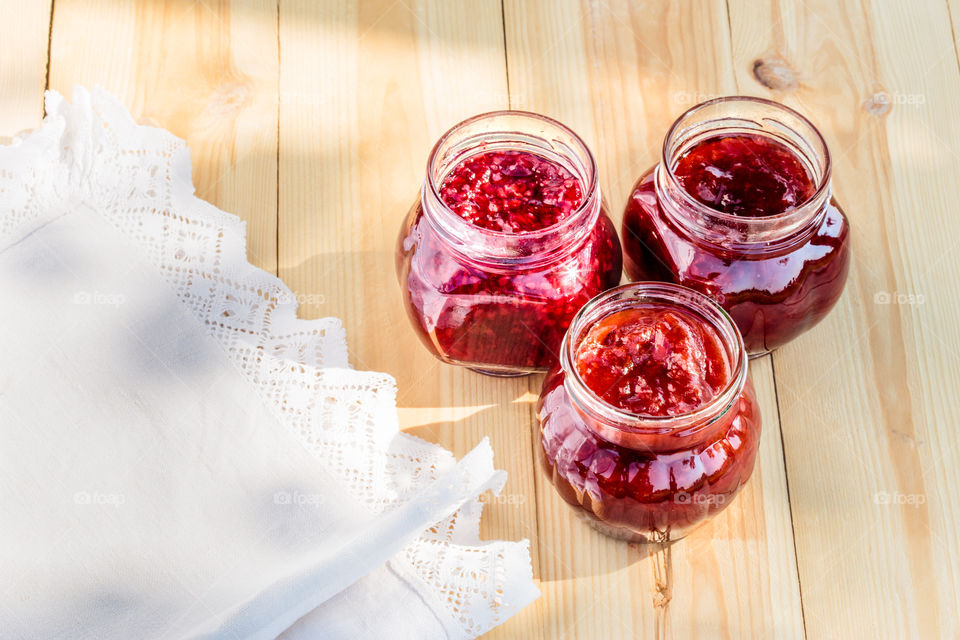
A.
x: 744, y: 175
x: 653, y: 361
x: 774, y: 293
x: 500, y: 318
x: 511, y: 191
x: 645, y: 493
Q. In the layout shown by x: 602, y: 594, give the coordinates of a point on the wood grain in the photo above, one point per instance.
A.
x: 385, y: 80
x: 313, y: 120
x: 619, y: 73
x: 23, y: 67
x: 869, y: 430
x: 207, y: 71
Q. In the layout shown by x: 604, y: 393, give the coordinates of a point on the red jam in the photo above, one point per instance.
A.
x: 773, y: 295
x: 511, y: 191
x: 509, y: 239
x: 653, y: 485
x: 745, y: 175
x: 497, y: 319
x: 759, y: 236
x: 653, y: 361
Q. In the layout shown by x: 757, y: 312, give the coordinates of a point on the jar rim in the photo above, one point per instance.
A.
x: 678, y: 296
x: 794, y: 215
x: 587, y: 206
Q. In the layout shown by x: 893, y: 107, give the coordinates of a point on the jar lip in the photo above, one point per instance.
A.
x: 671, y: 294
x: 584, y: 209
x: 795, y: 214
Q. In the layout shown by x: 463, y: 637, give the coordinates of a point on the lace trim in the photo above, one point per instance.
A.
x: 139, y: 178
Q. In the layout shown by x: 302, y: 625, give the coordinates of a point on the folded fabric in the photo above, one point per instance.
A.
x: 147, y: 491
x: 179, y: 460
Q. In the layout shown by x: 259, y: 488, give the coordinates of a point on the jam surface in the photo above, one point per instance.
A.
x: 773, y: 296
x: 511, y: 191
x: 653, y: 361
x: 745, y: 174
x: 648, y: 482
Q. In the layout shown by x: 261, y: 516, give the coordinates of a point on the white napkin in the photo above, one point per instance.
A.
x: 174, y: 460
x: 148, y: 493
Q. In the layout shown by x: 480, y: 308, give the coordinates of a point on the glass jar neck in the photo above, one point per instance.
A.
x: 744, y: 115
x: 654, y: 433
x: 511, y: 131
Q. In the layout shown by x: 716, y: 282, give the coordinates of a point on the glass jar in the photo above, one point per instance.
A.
x: 778, y: 264
x: 647, y: 478
x: 494, y: 300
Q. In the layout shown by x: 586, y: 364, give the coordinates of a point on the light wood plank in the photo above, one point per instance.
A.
x: 366, y: 89
x: 867, y: 398
x: 205, y: 70
x: 23, y: 68
x: 619, y: 73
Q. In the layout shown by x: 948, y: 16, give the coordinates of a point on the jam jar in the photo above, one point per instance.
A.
x: 740, y: 207
x: 649, y: 424
x: 508, y: 239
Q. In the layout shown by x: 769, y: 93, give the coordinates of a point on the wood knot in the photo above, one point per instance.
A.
x: 228, y: 99
x: 878, y: 104
x: 774, y: 73
x: 661, y: 599
x: 661, y: 565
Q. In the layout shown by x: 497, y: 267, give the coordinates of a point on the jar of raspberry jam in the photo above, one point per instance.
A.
x: 740, y: 207
x: 649, y: 424
x: 508, y: 239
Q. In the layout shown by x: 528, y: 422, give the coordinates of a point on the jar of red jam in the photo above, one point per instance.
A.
x: 508, y: 239
x: 649, y: 424
x: 740, y: 207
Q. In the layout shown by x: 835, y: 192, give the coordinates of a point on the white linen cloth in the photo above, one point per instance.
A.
x: 180, y: 456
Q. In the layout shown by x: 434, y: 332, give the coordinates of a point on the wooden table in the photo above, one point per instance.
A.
x: 312, y: 121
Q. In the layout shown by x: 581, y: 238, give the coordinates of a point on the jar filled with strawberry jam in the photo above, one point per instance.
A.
x: 649, y: 424
x: 741, y: 208
x: 508, y: 239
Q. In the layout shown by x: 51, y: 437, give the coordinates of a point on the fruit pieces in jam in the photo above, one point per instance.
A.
x: 511, y: 191
x: 774, y: 291
x: 664, y: 484
x: 504, y: 318
x: 653, y: 361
